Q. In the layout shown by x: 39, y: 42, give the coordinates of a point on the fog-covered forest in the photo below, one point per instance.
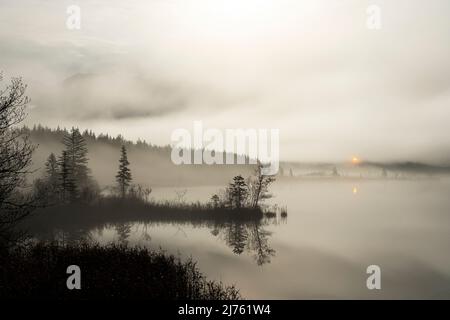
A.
x: 152, y: 164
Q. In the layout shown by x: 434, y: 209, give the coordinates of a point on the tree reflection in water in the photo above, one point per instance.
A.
x: 247, y: 236
x: 123, y: 231
x: 242, y: 236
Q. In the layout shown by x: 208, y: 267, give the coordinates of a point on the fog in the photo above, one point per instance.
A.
x: 151, y: 166
x: 320, y: 250
x: 312, y: 69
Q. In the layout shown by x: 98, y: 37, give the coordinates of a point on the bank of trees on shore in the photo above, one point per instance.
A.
x: 67, y: 178
x: 244, y: 193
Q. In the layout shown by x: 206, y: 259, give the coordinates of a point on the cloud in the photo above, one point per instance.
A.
x: 310, y: 68
x: 119, y: 96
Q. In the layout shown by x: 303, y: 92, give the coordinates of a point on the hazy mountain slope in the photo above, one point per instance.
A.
x: 150, y: 165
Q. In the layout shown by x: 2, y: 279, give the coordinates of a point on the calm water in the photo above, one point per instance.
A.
x: 334, y: 230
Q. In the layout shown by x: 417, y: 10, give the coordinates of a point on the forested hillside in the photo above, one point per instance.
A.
x: 150, y: 165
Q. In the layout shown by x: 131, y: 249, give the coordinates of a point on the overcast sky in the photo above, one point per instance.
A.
x: 310, y: 68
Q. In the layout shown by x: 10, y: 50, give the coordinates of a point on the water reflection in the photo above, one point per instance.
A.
x: 250, y: 237
x: 242, y: 237
x: 66, y: 237
x: 123, y: 232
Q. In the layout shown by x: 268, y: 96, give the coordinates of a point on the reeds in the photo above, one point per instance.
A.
x: 107, y: 272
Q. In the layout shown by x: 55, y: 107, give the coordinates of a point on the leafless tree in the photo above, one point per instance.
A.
x: 15, y: 157
x: 259, y: 186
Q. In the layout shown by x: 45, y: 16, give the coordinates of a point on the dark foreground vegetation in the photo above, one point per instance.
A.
x: 107, y: 272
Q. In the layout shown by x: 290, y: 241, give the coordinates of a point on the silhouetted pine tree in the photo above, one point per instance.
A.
x: 76, y: 151
x: 66, y: 182
x: 215, y: 200
x: 239, y: 191
x: 123, y: 176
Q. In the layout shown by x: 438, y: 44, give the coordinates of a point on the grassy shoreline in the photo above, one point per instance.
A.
x: 115, y: 210
x: 38, y: 271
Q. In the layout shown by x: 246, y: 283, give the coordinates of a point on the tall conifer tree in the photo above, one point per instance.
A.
x: 123, y: 176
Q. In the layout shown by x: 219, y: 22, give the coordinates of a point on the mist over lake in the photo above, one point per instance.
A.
x: 323, y: 247
x: 224, y: 150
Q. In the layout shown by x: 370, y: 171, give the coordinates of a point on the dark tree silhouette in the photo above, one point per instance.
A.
x: 239, y: 191
x: 259, y: 244
x: 76, y: 151
x: 15, y: 158
x: 227, y: 198
x: 237, y: 237
x: 215, y: 200
x: 259, y: 186
x: 250, y: 236
x: 66, y: 181
x: 123, y: 176
x: 47, y: 188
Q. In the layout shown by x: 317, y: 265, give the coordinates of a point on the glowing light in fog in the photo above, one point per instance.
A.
x: 356, y: 160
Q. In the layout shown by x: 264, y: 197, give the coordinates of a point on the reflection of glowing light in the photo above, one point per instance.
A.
x: 355, y: 160
x: 355, y: 190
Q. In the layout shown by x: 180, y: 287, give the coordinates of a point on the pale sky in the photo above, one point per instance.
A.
x: 311, y: 69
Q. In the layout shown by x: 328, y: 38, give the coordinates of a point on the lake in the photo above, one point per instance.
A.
x: 334, y: 230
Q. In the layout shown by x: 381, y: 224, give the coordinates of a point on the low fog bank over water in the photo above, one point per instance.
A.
x: 335, y: 229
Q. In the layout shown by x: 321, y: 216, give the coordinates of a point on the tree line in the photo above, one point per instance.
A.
x: 67, y: 178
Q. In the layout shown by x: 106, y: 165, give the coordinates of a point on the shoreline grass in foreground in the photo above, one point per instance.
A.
x: 39, y: 271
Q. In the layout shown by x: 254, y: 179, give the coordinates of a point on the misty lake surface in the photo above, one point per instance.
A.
x: 334, y: 230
